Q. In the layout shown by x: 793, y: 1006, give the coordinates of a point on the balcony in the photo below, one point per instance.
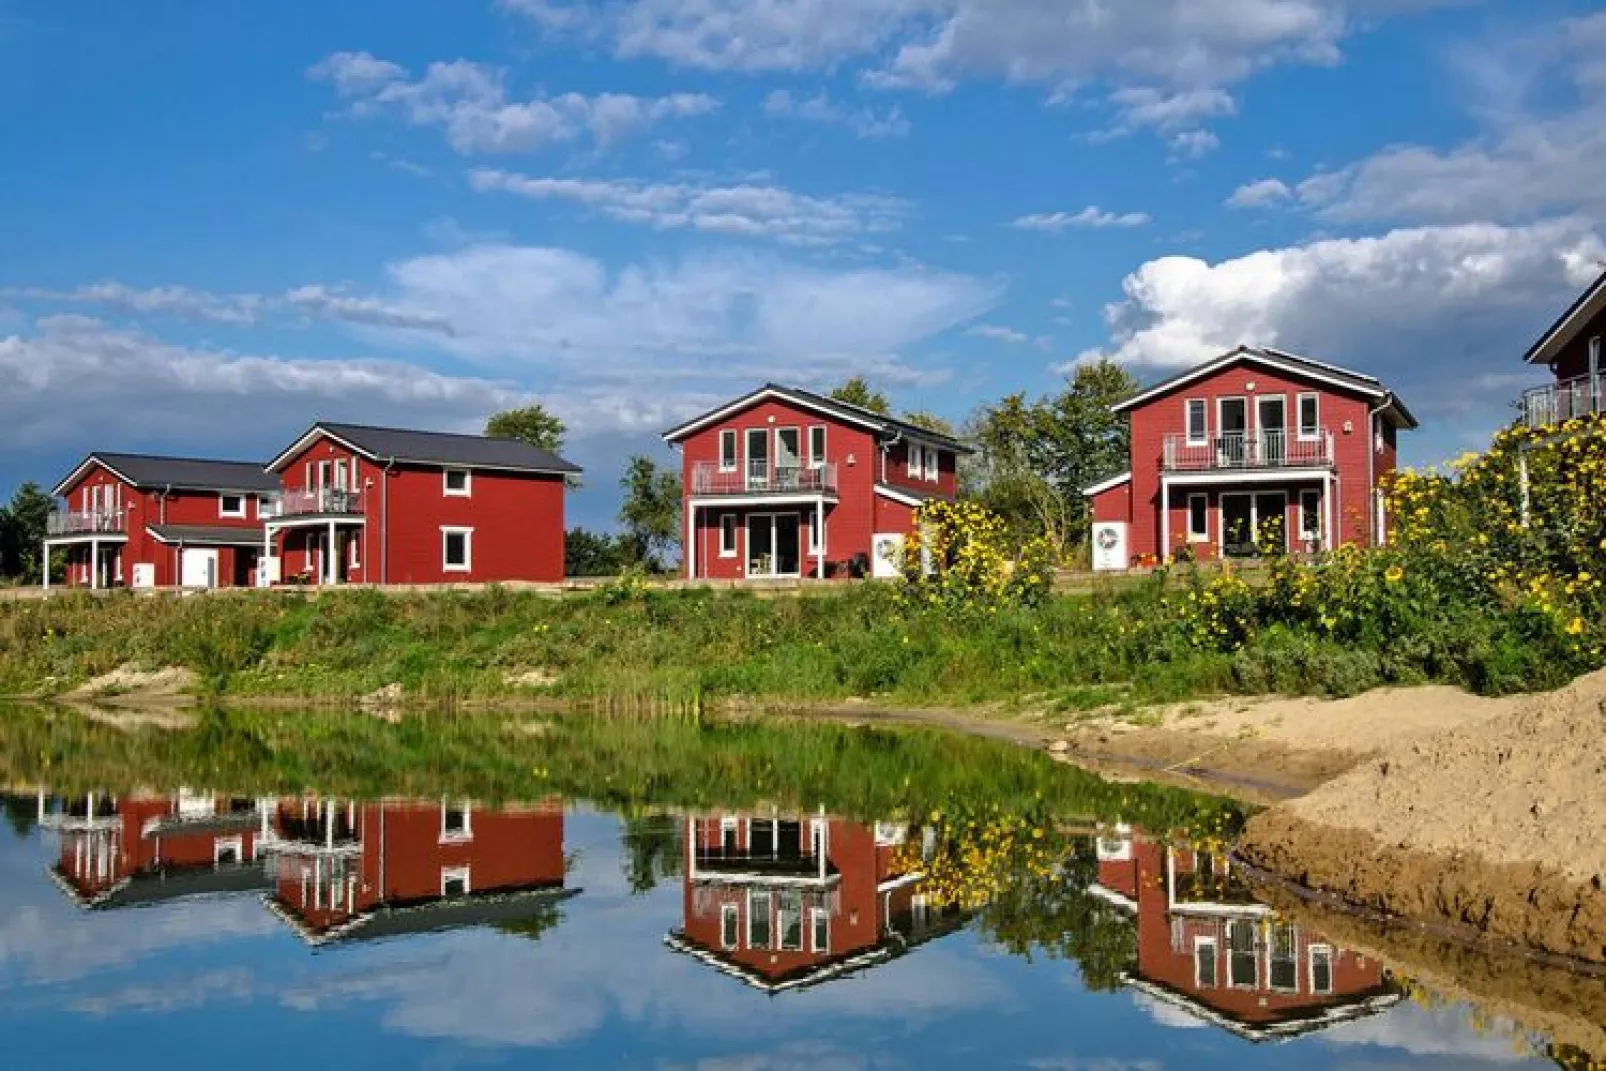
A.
x: 330, y: 501
x: 1239, y: 450
x: 762, y: 478
x: 1555, y: 403
x: 86, y: 522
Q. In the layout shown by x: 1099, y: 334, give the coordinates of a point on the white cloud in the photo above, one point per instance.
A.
x: 746, y: 210
x: 321, y: 301
x: 471, y: 103
x: 178, y: 301
x: 1192, y: 144
x: 864, y: 122
x: 1259, y: 193
x: 1000, y: 334
x: 1092, y: 217
x: 1145, y: 106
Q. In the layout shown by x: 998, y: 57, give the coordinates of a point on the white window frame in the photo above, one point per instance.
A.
x: 467, y: 566
x: 342, y: 476
x: 797, y: 432
x: 1255, y: 956
x: 1260, y: 401
x: 916, y: 460
x: 466, y: 491
x: 223, y: 845
x: 819, y: 918
x: 267, y: 506
x: 353, y: 552
x: 728, y: 524
x: 1193, y: 535
x: 817, y: 456
x: 1311, y: 954
x: 816, y: 529
x: 730, y: 926
x: 450, y: 874
x: 735, y: 462
x: 753, y: 916
x: 1594, y: 356
x: 1215, y: 963
x: 1299, y: 416
x: 933, y: 464
x: 1204, y: 421
x: 222, y: 511
x: 466, y: 834
x: 1307, y: 535
x: 1272, y: 958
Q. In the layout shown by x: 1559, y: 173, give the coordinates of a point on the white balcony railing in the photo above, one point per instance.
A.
x: 762, y: 478
x: 325, y: 500
x: 85, y: 522
x: 1563, y: 400
x: 1249, y: 450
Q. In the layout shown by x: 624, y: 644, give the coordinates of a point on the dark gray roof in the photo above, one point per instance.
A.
x: 447, y: 448
x: 154, y: 472
x: 825, y: 403
x: 207, y: 533
x: 1590, y: 296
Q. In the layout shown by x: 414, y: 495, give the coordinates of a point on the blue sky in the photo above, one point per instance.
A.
x: 221, y: 221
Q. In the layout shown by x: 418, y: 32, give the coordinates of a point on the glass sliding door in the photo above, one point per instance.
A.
x: 773, y: 545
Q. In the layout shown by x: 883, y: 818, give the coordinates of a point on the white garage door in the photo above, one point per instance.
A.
x: 199, y: 569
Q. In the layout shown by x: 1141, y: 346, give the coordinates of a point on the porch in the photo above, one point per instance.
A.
x: 757, y: 538
x: 314, y: 549
x: 761, y: 477
x: 1239, y: 519
x: 1244, y: 450
x: 93, y: 555
x: 1564, y: 400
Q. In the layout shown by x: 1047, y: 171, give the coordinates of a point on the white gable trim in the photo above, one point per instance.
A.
x: 1105, y: 485
x: 311, y: 436
x: 675, y: 435
x: 900, y: 497
x: 78, y: 473
x: 1562, y: 331
x: 1257, y: 357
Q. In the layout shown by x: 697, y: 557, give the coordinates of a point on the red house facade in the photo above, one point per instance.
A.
x: 144, y: 521
x: 1571, y: 349
x: 783, y: 482
x: 1207, y: 947
x: 1255, y: 445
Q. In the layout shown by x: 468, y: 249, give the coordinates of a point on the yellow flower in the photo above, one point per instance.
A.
x: 1575, y: 626
x: 1394, y: 574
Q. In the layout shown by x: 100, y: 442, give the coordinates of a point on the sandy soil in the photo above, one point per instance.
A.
x: 131, y: 684
x: 1493, y: 825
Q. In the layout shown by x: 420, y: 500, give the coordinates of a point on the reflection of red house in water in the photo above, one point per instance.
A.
x: 1206, y: 946
x: 118, y: 852
x: 785, y: 902
x: 347, y: 870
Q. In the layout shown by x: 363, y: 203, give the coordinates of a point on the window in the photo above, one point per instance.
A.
x: 820, y: 935
x: 1284, y: 959
x: 457, y: 549
x: 1594, y: 356
x: 1310, y: 516
x: 817, y: 446
x: 1198, y: 433
x: 916, y: 460
x: 816, y: 534
x: 1204, y: 962
x: 758, y: 920
x: 267, y: 505
x: 1198, y: 518
x: 231, y: 505
x: 454, y: 881
x: 1242, y: 969
x: 790, y: 917
x: 455, y: 824
x: 727, y: 450
x: 457, y: 483
x: 1310, y: 416
x: 341, y: 483
x: 758, y: 457
x: 727, y: 535
x: 933, y: 456
x: 1321, y: 969
x: 729, y: 925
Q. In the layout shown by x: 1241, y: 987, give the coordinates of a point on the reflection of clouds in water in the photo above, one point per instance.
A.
x: 1092, y: 1063
x: 798, y: 1056
x: 1411, y: 1028
x: 1168, y: 1015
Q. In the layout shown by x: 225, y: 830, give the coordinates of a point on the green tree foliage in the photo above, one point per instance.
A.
x: 931, y: 422
x: 654, y: 848
x: 588, y: 553
x: 21, y: 814
x: 1035, y: 456
x: 1054, y: 916
x: 857, y: 391
x: 22, y: 533
x: 531, y: 424
x: 650, y: 514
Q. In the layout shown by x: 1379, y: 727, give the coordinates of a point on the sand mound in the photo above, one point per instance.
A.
x: 1495, y: 825
x: 131, y: 683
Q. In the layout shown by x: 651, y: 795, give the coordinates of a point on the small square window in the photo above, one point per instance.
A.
x: 231, y: 505
x: 455, y: 822
x: 457, y: 549
x: 458, y: 483
x: 454, y: 881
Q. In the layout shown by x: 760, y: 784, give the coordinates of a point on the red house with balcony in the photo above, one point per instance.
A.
x: 784, y: 482
x: 144, y: 521
x: 1257, y: 445
x: 783, y: 902
x: 1208, y: 948
x: 1571, y: 350
x: 344, y: 871
x: 390, y: 506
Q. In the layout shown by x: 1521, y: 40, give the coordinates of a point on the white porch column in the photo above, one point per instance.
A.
x: 690, y: 553
x: 331, y: 566
x: 94, y: 563
x: 1165, y: 520
x: 819, y: 537
x: 1327, y: 512
x: 44, y: 566
x: 265, y: 574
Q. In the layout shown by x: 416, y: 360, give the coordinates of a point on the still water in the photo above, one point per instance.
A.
x: 189, y: 929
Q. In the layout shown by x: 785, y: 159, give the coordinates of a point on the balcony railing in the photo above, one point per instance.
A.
x: 1249, y: 450
x: 85, y: 522
x: 1561, y: 401
x: 762, y: 478
x: 327, y: 500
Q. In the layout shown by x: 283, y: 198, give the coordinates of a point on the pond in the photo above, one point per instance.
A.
x: 241, y: 922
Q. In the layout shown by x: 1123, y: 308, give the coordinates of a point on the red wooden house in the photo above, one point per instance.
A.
x: 1207, y: 947
x: 786, y: 901
x: 145, y: 521
x: 1256, y: 445
x: 390, y: 506
x: 345, y: 870
x: 783, y: 482
x: 1571, y: 349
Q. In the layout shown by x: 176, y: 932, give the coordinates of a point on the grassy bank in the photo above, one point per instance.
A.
x: 684, y: 649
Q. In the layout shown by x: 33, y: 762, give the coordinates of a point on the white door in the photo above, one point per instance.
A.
x: 198, y: 568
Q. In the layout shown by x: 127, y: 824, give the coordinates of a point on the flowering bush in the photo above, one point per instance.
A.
x: 960, y: 558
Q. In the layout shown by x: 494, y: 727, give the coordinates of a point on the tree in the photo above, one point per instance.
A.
x: 655, y: 846
x: 651, y: 511
x: 931, y: 422
x: 587, y: 553
x: 857, y: 391
x: 531, y: 424
x: 22, y: 533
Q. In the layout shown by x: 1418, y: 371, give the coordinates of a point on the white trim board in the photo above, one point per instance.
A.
x: 904, y: 498
x: 1245, y: 354
x: 1228, y: 477
x: 736, y: 502
x: 1589, y: 303
x: 1105, y: 485
x: 763, y: 394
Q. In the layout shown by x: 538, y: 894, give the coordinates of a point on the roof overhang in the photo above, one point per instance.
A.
x: 313, y: 433
x: 201, y: 534
x: 764, y: 394
x: 1588, y: 305
x: 310, y: 436
x: 83, y: 467
x: 1107, y: 485
x: 903, y: 498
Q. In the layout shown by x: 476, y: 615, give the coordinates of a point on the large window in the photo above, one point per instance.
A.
x: 817, y: 446
x: 1242, y: 968
x: 727, y: 535
x: 758, y: 920
x: 727, y: 450
x: 729, y: 926
x: 1284, y: 959
x: 457, y: 549
x: 1310, y: 516
x: 1197, y: 431
x: 1204, y: 962
x: 917, y: 458
x: 933, y: 467
x: 1321, y: 969
x: 1310, y: 416
x: 1198, y: 518
x: 820, y: 938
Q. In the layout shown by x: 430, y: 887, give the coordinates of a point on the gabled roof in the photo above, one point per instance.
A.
x: 1291, y: 363
x: 150, y: 472
x: 846, y: 412
x: 432, y: 448
x: 1566, y: 328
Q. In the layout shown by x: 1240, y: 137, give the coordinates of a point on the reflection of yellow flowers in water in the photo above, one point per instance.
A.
x: 1394, y: 574
x: 976, y: 860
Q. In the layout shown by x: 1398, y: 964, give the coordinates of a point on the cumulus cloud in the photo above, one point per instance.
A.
x: 1092, y: 217
x: 177, y: 301
x: 321, y: 301
x: 470, y: 102
x: 745, y: 210
x: 1260, y: 193
x: 865, y: 123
